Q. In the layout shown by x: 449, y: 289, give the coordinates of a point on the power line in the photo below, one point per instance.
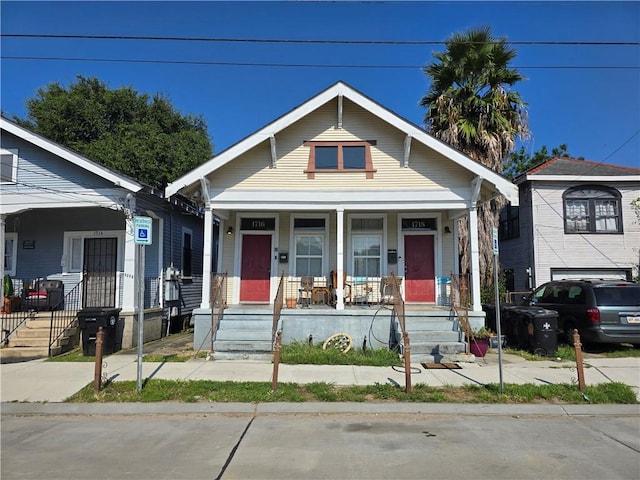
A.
x: 303, y: 65
x: 305, y: 41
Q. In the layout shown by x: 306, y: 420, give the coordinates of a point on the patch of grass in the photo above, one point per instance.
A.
x: 75, y: 355
x: 299, y: 353
x: 156, y: 390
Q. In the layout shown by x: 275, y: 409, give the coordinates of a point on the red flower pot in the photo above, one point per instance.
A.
x: 479, y: 347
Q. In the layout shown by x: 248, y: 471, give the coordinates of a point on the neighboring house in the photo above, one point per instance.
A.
x: 64, y: 217
x: 575, y: 220
x: 339, y: 184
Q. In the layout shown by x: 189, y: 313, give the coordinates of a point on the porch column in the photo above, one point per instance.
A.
x: 475, y: 259
x: 206, y: 258
x: 2, y: 231
x: 340, y: 259
x: 128, y: 284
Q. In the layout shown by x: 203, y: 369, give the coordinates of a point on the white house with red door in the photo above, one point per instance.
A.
x: 339, y: 188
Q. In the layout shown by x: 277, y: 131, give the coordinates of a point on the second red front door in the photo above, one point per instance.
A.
x: 419, y: 268
x: 255, y: 271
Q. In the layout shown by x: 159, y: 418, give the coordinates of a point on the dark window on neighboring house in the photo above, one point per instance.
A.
x: 509, y: 223
x: 592, y: 209
x: 187, y: 254
x: 348, y: 156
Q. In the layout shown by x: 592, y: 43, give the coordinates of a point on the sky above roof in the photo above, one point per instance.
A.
x: 581, y: 60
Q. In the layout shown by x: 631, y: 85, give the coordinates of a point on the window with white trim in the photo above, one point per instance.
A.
x: 592, y: 209
x: 8, y: 165
x: 10, y: 253
x: 366, y: 238
x: 309, y: 240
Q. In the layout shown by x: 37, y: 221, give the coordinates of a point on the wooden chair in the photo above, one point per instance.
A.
x: 306, y: 290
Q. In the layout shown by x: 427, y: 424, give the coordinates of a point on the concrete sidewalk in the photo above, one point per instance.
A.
x: 41, y: 381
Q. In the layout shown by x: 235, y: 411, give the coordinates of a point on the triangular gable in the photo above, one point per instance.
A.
x: 501, y: 184
x: 56, y: 149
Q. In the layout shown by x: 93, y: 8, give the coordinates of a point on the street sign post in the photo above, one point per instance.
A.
x: 142, y: 236
x: 497, y: 305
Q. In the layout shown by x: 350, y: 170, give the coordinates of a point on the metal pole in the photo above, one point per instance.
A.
x: 140, y: 282
x: 497, y: 305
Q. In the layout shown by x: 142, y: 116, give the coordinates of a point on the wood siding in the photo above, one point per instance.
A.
x: 427, y: 169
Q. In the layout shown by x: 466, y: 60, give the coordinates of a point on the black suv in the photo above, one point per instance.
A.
x: 603, y: 311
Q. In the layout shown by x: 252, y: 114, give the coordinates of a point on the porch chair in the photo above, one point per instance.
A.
x: 306, y: 290
x: 386, y: 289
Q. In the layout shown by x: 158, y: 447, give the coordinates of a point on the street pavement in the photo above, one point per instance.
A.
x: 43, y: 437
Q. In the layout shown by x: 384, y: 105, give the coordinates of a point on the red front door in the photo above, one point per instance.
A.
x: 255, y: 273
x: 419, y: 268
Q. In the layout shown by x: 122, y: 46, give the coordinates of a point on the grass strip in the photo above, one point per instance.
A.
x: 157, y: 390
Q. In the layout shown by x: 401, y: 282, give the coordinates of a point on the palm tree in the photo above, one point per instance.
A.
x: 470, y: 106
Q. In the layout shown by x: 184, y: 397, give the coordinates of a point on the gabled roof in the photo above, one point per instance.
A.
x: 564, y: 169
x: 116, y: 178
x: 502, y: 184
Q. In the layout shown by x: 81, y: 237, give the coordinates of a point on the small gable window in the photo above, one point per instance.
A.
x: 592, y: 209
x: 331, y: 157
x: 509, y: 223
x: 8, y: 165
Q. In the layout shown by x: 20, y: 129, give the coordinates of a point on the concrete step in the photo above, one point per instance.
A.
x: 437, y: 348
x: 32, y: 333
x: 433, y: 336
x: 36, y: 342
x: 446, y: 358
x: 16, y: 354
x: 244, y: 334
x: 242, y: 346
x: 241, y: 324
x: 428, y: 324
x: 263, y: 357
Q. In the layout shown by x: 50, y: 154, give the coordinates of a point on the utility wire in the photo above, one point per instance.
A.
x: 305, y: 41
x: 306, y: 65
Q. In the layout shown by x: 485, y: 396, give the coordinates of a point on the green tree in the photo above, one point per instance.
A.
x: 472, y: 107
x: 139, y: 135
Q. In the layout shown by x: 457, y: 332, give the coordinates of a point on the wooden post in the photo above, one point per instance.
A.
x: 97, y: 375
x: 276, y: 361
x: 578, y: 348
x: 407, y: 363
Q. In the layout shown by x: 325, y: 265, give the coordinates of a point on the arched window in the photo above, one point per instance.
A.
x: 592, y: 209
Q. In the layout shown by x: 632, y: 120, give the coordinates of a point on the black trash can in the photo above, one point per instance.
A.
x: 507, y: 323
x: 90, y: 319
x: 537, y: 330
x: 490, y: 317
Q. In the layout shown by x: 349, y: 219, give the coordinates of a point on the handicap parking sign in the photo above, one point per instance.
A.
x: 142, y: 228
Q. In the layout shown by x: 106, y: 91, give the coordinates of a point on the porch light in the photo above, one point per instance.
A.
x: 230, y: 231
x: 447, y: 229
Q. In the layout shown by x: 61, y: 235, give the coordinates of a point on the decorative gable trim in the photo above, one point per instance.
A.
x: 500, y: 184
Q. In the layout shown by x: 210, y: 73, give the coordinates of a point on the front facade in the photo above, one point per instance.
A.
x: 575, y: 220
x: 66, y: 218
x: 344, y: 192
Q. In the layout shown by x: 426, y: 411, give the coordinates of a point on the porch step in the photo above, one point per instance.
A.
x: 244, y: 334
x: 21, y: 354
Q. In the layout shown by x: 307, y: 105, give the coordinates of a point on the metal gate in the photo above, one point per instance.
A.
x: 99, y: 265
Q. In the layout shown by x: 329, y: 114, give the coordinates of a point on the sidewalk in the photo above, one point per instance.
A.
x: 41, y: 381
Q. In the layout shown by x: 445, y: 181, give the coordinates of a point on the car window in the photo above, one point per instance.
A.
x: 625, y: 296
x: 576, y: 295
x: 547, y: 294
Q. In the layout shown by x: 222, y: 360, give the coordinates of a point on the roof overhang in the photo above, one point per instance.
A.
x: 70, y: 156
x: 500, y: 184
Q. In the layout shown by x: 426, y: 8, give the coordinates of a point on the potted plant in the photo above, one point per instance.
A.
x: 479, y: 341
x: 7, y: 289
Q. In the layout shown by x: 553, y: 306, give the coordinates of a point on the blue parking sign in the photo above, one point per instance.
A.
x: 142, y: 228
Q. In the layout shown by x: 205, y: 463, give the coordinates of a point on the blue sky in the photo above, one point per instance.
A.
x: 595, y: 110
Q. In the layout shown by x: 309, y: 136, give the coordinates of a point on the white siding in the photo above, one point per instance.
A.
x: 555, y: 249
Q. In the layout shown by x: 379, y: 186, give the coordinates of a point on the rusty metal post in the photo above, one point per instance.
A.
x: 578, y: 348
x: 276, y: 361
x: 97, y: 375
x: 407, y: 362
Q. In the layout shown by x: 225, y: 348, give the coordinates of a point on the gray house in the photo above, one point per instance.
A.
x: 67, y: 219
x: 575, y: 220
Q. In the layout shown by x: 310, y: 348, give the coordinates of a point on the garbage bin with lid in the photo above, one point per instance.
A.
x: 537, y: 329
x: 89, y: 320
